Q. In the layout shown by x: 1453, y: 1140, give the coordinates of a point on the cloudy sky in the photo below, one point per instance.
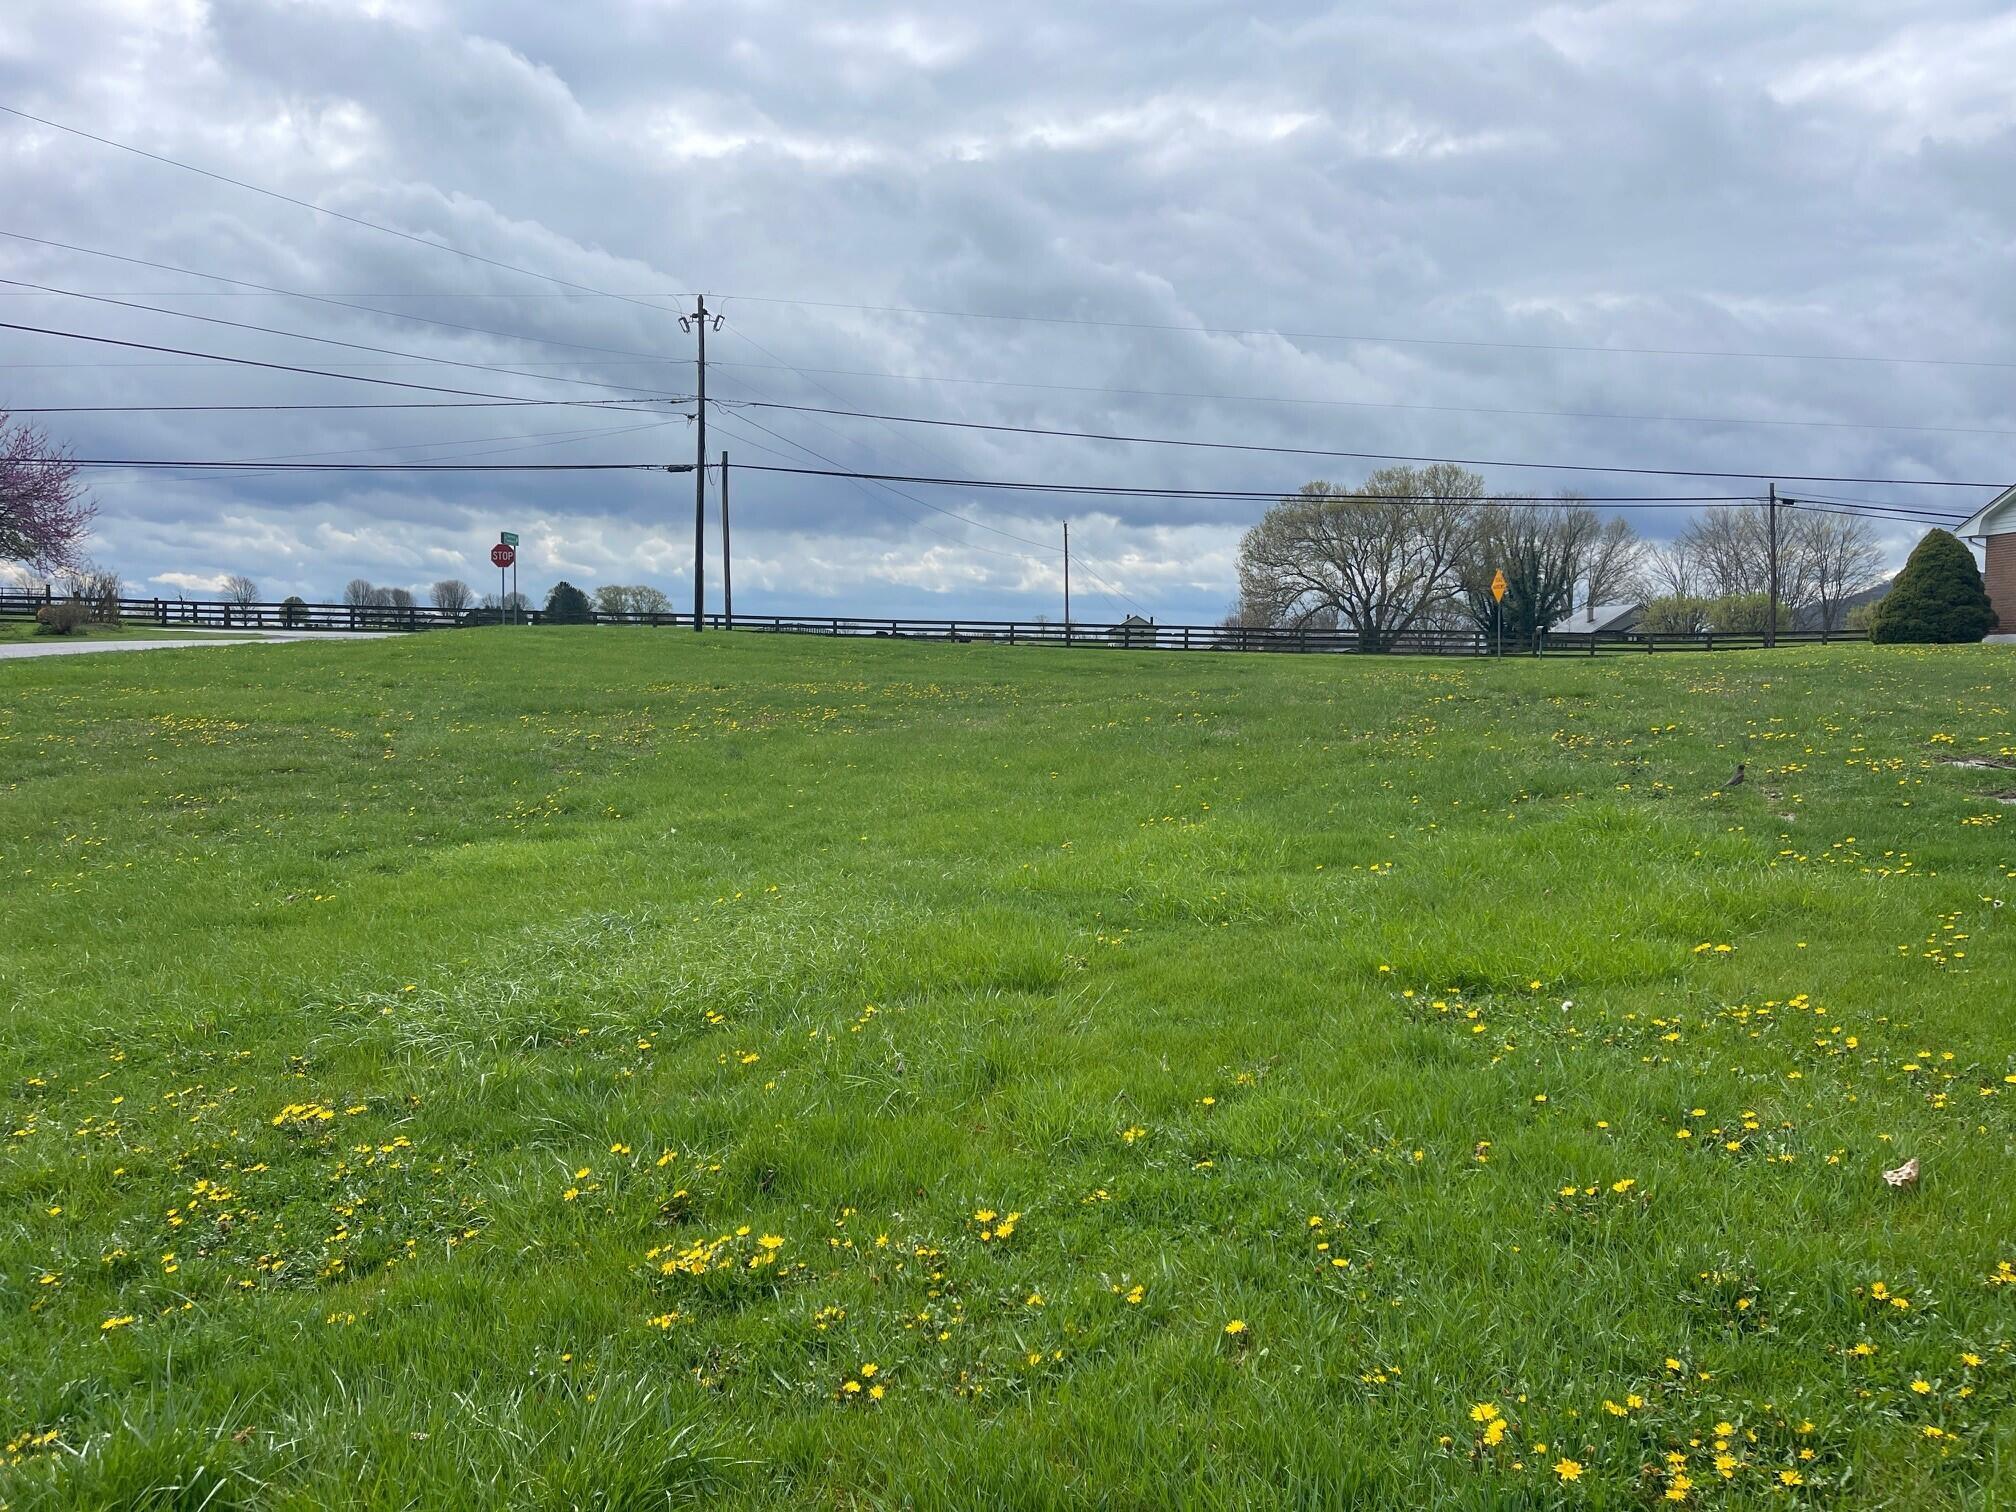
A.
x: 1478, y: 230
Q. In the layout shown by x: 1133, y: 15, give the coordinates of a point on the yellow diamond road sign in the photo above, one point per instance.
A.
x: 1498, y: 586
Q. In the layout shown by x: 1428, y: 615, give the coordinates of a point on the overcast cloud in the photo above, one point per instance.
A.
x: 1833, y: 178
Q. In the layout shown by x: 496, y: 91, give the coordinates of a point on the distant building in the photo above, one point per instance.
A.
x: 1994, y: 525
x: 1133, y: 631
x: 1599, y: 619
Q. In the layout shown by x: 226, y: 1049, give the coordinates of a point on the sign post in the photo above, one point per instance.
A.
x: 1498, y: 607
x: 503, y: 556
x: 510, y: 538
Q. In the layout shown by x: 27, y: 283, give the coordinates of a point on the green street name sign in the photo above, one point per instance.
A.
x: 508, y: 537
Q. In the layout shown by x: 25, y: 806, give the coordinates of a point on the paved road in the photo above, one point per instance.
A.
x: 62, y: 646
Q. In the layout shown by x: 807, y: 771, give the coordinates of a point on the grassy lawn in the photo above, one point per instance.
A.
x: 568, y: 1067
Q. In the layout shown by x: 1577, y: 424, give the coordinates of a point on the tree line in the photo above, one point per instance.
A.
x: 1415, y: 549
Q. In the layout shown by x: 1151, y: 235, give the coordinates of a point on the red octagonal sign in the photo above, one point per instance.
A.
x: 502, y: 556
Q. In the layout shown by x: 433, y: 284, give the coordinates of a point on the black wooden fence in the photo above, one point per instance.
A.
x: 1132, y: 636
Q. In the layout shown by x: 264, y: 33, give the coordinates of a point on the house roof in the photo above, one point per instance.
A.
x: 1996, y: 517
x: 1581, y: 621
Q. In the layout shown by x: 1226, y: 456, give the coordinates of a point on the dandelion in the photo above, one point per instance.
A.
x: 1236, y: 1327
x: 1922, y: 1387
x: 123, y: 1321
x: 1791, y: 1478
x: 1568, y: 1469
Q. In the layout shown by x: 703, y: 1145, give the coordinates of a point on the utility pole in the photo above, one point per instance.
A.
x: 1771, y: 534
x: 697, y: 322
x: 1067, y: 580
x: 727, y: 578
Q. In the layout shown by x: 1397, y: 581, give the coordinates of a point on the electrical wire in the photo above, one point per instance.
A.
x: 1365, y: 456
x: 246, y: 286
x: 355, y: 220
x: 1380, y: 339
x: 354, y: 346
x: 283, y: 367
x: 1374, y: 404
x: 752, y: 341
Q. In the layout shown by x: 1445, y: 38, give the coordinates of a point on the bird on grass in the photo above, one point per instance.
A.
x: 1736, y: 777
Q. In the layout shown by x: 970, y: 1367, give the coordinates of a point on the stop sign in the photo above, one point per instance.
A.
x: 502, y: 555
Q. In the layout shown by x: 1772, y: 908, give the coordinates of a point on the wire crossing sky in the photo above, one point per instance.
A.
x: 985, y: 273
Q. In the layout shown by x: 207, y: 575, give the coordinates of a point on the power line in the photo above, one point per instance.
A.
x: 158, y: 464
x: 539, y: 439
x: 1381, y: 339
x: 355, y: 220
x: 1364, y: 456
x: 837, y: 472
x: 1376, y: 404
x: 614, y: 405
x: 246, y: 286
x: 354, y: 346
x: 1642, y: 501
x: 744, y: 336
x: 283, y: 367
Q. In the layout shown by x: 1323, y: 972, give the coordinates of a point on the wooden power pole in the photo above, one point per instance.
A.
x: 727, y: 577
x: 1771, y: 535
x: 697, y: 322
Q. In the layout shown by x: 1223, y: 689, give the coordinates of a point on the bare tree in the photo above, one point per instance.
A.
x: 1541, y: 550
x: 240, y: 590
x: 1379, y: 555
x: 1730, y: 553
x: 96, y: 587
x: 1669, y: 571
x: 1727, y: 550
x: 452, y: 595
x: 392, y: 598
x: 1839, y: 558
x: 359, y: 594
x: 1614, y: 562
x: 44, y: 509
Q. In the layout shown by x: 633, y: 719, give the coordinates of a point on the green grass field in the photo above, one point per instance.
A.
x: 621, y: 1068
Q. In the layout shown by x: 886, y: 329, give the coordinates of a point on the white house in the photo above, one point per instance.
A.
x: 1994, y: 525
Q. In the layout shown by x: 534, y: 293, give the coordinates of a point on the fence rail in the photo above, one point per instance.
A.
x: 213, y: 614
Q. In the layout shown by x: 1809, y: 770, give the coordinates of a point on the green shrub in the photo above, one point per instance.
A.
x: 62, y: 617
x: 1745, y: 614
x: 567, y: 605
x: 1675, y: 614
x: 1860, y: 616
x: 1937, y: 598
x: 293, y: 609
